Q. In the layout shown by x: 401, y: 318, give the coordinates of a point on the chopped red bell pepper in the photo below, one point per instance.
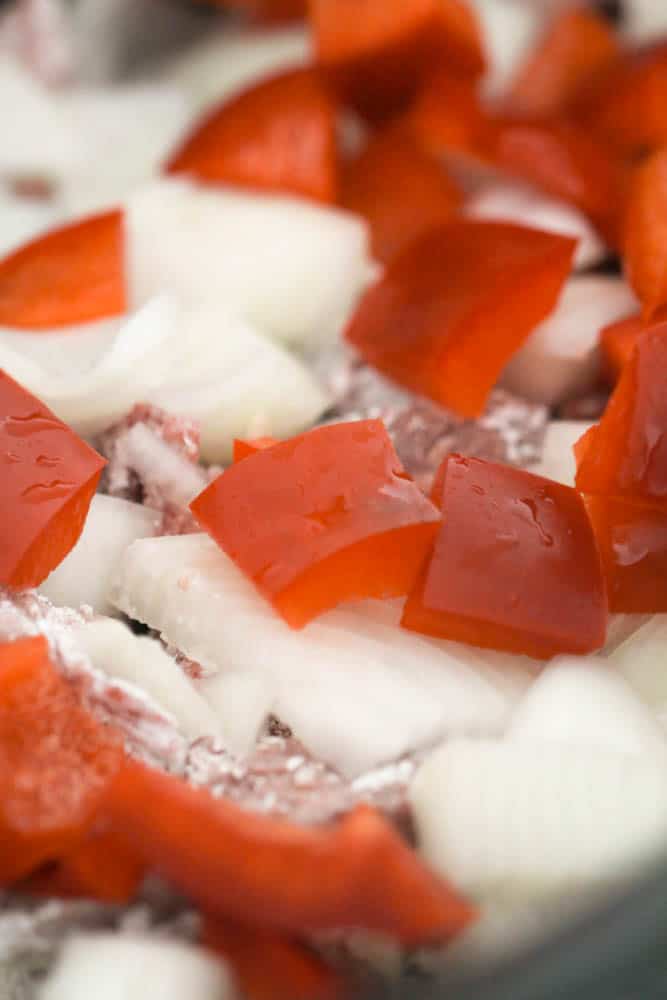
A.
x: 452, y: 309
x: 448, y: 119
x: 645, y: 244
x: 269, y: 873
x: 577, y: 46
x: 400, y: 190
x: 74, y: 274
x: 617, y: 343
x: 514, y: 567
x: 242, y: 449
x: 55, y: 761
x: 49, y: 478
x: 279, y: 135
x: 632, y: 539
x: 268, y: 10
x: 625, y: 455
x: 286, y: 969
x: 378, y: 54
x: 326, y: 517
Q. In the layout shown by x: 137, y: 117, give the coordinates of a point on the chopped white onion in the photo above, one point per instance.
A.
x: 241, y: 702
x: 519, y: 822
x: 644, y: 20
x: 291, y: 268
x: 356, y: 691
x: 561, y: 357
x: 558, y: 461
x: 642, y: 661
x: 85, y: 574
x: 131, y: 967
x: 23, y: 219
x: 509, y: 30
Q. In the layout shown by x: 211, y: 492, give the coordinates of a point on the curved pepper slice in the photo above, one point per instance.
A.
x: 287, y: 970
x: 514, y: 567
x: 645, y: 245
x: 578, y: 45
x: 448, y: 118
x: 378, y: 54
x: 452, y: 309
x: 632, y: 540
x: 55, y: 761
x: 243, y: 449
x: 74, y: 274
x: 326, y: 517
x: 269, y: 873
x: 49, y: 476
x: 625, y: 455
x: 400, y: 190
x: 279, y: 135
x: 618, y: 341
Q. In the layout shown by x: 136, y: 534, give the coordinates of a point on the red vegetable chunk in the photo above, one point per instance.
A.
x: 514, y: 567
x: 268, y: 10
x: 326, y: 517
x: 632, y: 539
x: 71, y: 275
x: 279, y: 135
x: 55, y: 761
x: 645, y: 247
x: 377, y: 54
x: 452, y: 309
x: 242, y: 449
x: 48, y: 480
x: 617, y: 344
x: 625, y: 455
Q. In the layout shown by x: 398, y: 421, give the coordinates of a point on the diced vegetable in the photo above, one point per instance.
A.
x: 455, y: 305
x: 514, y: 566
x: 645, y: 245
x: 85, y: 574
x: 509, y: 30
x: 241, y: 702
x: 558, y: 461
x: 242, y: 449
x: 617, y: 344
x: 291, y: 268
x: 49, y: 478
x: 410, y: 692
x: 503, y: 819
x: 326, y: 517
x: 640, y: 659
x: 278, y: 136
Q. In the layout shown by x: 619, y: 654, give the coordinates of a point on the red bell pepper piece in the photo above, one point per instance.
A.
x: 326, y: 517
x: 400, y: 190
x: 242, y: 449
x: 48, y: 480
x: 625, y: 455
x: 632, y: 540
x: 514, y: 567
x: 268, y: 10
x: 74, y: 274
x: 617, y: 343
x: 287, y: 970
x: 279, y: 135
x: 449, y: 119
x: 378, y: 54
x: 452, y: 309
x: 55, y: 761
x: 645, y: 245
x: 269, y: 873
x: 577, y: 47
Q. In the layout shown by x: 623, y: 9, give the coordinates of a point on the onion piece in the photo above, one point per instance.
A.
x: 510, y: 31
x: 642, y: 661
x: 242, y: 703
x: 23, y: 219
x: 85, y: 574
x: 130, y: 967
x: 561, y: 358
x: 522, y: 822
x: 558, y: 461
x: 644, y: 20
x: 291, y: 268
x: 355, y: 691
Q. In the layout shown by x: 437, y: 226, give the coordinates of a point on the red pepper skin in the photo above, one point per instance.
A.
x: 625, y: 455
x: 242, y: 449
x: 645, y: 246
x: 277, y: 136
x: 268, y: 11
x: 74, y: 274
x: 376, y: 56
x: 632, y: 539
x: 617, y: 344
x: 55, y: 761
x: 514, y: 567
x: 400, y: 190
x: 456, y: 304
x: 326, y: 517
x: 48, y: 480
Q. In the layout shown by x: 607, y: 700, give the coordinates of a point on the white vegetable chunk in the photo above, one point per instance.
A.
x: 521, y: 822
x: 558, y: 461
x: 85, y: 574
x: 357, y: 692
x: 291, y: 268
x: 561, y: 357
x: 241, y: 702
x: 23, y: 219
x: 581, y: 701
x: 503, y: 201
x: 644, y: 20
x: 130, y: 967
x: 114, y: 649
x: 642, y: 661
x: 509, y: 30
